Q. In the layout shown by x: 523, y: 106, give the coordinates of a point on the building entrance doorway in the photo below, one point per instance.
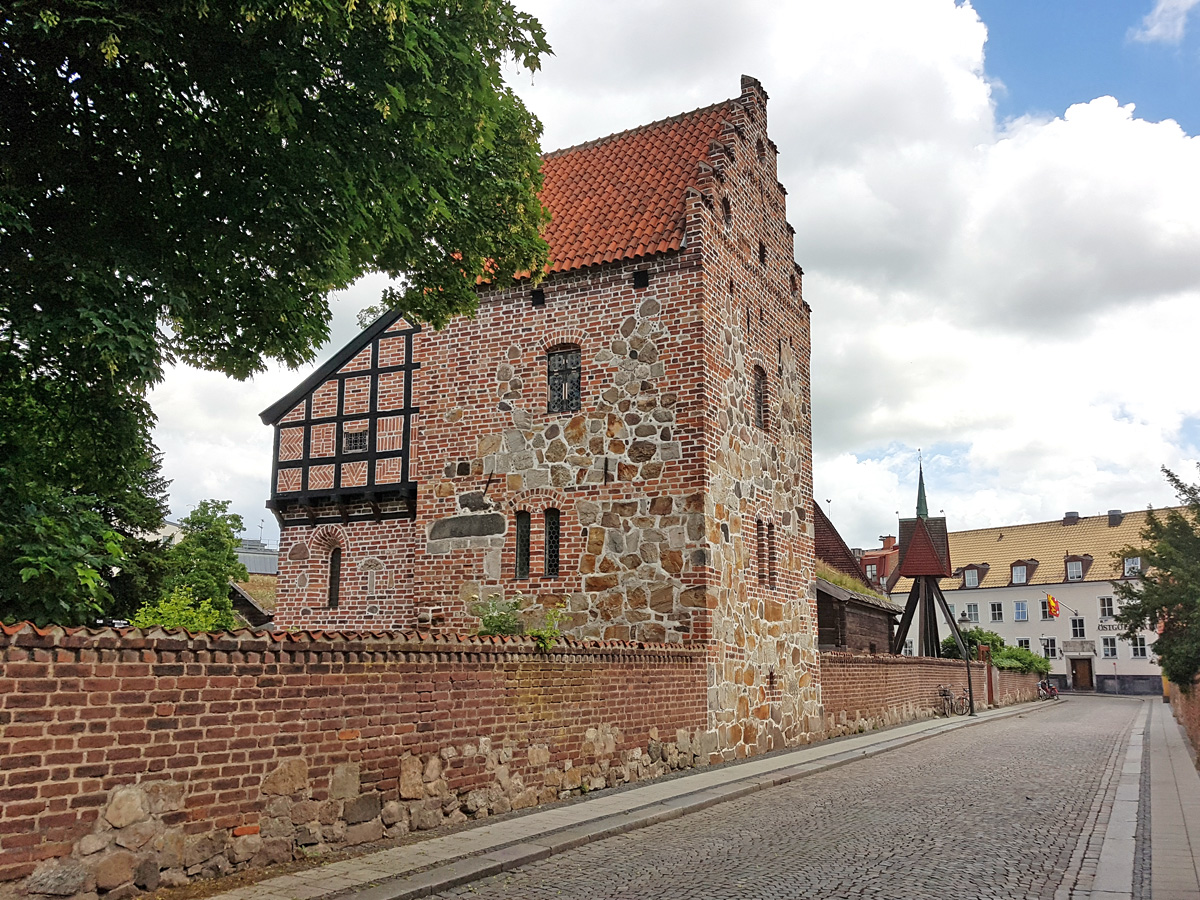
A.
x: 1081, y: 675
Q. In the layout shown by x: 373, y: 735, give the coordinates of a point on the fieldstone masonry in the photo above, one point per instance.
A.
x: 682, y: 483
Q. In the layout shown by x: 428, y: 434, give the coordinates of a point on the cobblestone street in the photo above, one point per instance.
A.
x: 1015, y: 808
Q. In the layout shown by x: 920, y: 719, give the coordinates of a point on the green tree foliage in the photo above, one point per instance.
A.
x: 190, y: 180
x: 204, y: 560
x: 973, y: 638
x: 1020, y: 659
x: 1168, y: 594
x: 181, y: 609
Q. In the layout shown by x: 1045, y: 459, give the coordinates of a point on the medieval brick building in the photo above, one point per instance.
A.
x: 629, y: 439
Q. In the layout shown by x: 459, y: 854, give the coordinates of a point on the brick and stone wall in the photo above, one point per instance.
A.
x: 866, y: 692
x: 1187, y: 710
x: 130, y: 761
x: 1013, y: 687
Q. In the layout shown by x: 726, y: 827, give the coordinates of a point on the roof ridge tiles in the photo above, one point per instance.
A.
x: 595, y: 142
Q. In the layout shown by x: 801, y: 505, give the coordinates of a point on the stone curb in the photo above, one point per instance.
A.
x: 445, y: 876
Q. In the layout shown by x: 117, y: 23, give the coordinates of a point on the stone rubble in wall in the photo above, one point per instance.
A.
x: 139, y: 845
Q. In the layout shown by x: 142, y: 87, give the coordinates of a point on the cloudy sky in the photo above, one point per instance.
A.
x: 997, y: 209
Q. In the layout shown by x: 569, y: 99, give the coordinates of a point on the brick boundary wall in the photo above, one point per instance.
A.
x: 1187, y: 710
x: 1013, y: 687
x: 130, y: 760
x: 861, y: 693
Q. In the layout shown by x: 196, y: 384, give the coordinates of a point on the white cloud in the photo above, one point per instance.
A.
x: 1018, y: 300
x: 1165, y: 23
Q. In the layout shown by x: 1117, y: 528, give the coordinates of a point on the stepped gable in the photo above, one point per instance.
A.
x: 623, y: 196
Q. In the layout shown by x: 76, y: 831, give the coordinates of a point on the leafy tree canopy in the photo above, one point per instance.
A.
x: 1167, y: 597
x: 205, y: 559
x: 181, y: 609
x: 190, y: 180
x: 973, y: 637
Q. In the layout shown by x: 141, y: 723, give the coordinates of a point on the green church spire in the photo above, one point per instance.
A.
x: 922, y: 503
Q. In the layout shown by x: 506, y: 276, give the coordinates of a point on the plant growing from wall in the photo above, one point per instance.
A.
x: 548, y: 633
x: 498, y: 616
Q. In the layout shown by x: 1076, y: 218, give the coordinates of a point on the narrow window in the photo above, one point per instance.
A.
x: 551, y: 549
x: 1019, y: 574
x: 563, y: 375
x: 523, y: 520
x: 973, y: 613
x: 1077, y: 631
x: 997, y: 612
x: 1133, y: 566
x: 1110, y: 647
x: 971, y: 578
x: 771, y: 566
x: 761, y: 150
x: 1074, y: 570
x: 1139, y: 647
x: 1020, y: 610
x: 335, y: 576
x: 1050, y: 647
x: 908, y: 648
x: 760, y: 398
x: 1046, y: 610
x: 1106, y: 607
x: 727, y: 212
x: 761, y: 551
x: 872, y: 569
x: 747, y: 320
x: 762, y: 253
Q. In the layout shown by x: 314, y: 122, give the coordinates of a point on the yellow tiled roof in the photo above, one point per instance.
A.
x: 1047, y: 542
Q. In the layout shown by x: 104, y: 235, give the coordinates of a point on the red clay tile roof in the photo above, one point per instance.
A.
x: 623, y: 196
x: 830, y: 548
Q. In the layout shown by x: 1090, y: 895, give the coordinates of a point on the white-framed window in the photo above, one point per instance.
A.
x: 1020, y: 610
x: 971, y: 578
x: 1106, y: 608
x: 1046, y: 610
x: 1024, y: 643
x: 1050, y: 647
x: 1019, y: 574
x: 1108, y: 647
x: 973, y: 613
x: 1138, y: 644
x: 871, y: 570
x: 1077, y: 630
x: 1133, y: 566
x: 1074, y: 570
x: 997, y: 611
x: 908, y: 647
x: 951, y: 606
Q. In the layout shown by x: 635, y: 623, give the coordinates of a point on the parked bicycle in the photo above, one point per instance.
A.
x: 951, y: 705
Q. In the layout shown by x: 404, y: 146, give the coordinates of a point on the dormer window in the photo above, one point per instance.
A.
x: 971, y: 578
x: 1133, y: 566
x: 1077, y: 566
x: 1020, y: 574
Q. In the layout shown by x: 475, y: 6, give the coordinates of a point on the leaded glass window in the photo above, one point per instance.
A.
x: 522, y: 544
x: 562, y: 373
x: 760, y: 397
x: 552, y: 533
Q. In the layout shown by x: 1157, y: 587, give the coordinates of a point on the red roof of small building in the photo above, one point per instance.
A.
x: 623, y: 196
x: 919, y: 555
x: 830, y: 548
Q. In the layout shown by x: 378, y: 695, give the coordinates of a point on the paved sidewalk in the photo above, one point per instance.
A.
x: 441, y: 863
x: 1174, y: 811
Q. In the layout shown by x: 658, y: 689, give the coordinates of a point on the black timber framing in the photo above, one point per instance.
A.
x: 403, y: 491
